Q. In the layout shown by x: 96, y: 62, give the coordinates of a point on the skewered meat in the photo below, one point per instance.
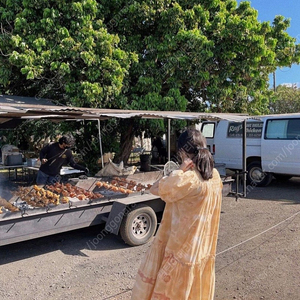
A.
x: 81, y: 197
x: 123, y: 185
x: 68, y: 190
x: 37, y: 196
x: 99, y: 184
x: 64, y: 200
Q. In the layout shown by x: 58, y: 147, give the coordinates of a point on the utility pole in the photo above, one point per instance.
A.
x: 274, y: 81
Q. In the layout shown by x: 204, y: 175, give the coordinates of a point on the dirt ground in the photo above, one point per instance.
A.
x: 257, y: 256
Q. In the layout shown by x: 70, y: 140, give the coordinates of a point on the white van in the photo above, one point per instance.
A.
x: 273, y: 147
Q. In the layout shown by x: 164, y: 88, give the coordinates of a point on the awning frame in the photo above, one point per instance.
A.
x: 14, y: 107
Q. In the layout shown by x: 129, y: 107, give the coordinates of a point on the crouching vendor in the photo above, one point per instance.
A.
x: 53, y: 157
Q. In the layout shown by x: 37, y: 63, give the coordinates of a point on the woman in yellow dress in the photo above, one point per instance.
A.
x: 180, y: 263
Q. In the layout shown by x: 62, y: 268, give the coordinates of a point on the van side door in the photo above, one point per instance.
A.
x: 280, y: 145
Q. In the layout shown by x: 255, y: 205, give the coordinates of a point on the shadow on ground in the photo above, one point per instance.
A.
x: 74, y: 243
x: 283, y: 191
x: 71, y: 243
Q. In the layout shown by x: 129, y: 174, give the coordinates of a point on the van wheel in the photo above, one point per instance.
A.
x: 139, y: 225
x: 256, y: 176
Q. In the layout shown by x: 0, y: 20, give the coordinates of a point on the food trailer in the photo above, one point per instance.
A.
x: 123, y: 204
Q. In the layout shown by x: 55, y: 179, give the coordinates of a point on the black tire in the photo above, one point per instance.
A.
x: 282, y: 177
x: 256, y: 176
x: 139, y: 225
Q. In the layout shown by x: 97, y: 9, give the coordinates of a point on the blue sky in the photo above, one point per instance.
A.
x: 267, y: 10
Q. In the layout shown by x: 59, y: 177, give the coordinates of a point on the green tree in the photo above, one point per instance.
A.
x: 197, y: 55
x: 285, y: 100
x: 59, y: 49
x: 192, y: 55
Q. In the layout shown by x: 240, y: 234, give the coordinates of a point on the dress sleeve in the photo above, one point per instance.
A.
x: 179, y: 185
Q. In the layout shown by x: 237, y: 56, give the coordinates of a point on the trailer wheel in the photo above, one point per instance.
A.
x: 138, y: 226
x: 256, y: 176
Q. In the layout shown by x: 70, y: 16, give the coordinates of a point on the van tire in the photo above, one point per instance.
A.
x: 139, y: 225
x: 256, y: 176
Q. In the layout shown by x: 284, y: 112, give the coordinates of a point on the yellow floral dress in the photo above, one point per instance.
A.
x: 180, y: 263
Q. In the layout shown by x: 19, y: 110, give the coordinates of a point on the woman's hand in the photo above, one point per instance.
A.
x: 186, y: 165
x: 154, y: 188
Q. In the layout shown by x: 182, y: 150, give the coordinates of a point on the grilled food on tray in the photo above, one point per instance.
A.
x: 57, y: 193
x: 122, y: 185
x: 113, y: 188
x: 64, y: 200
x: 37, y: 196
x: 72, y: 191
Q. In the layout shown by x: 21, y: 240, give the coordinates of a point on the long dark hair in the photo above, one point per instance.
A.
x: 193, y: 143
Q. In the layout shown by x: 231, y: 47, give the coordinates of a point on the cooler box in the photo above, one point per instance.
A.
x: 8, y: 153
x: 13, y: 160
x: 32, y: 162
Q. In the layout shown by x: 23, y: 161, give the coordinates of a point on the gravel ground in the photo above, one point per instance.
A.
x: 257, y: 256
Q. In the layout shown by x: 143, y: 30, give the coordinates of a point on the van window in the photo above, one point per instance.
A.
x: 208, y: 130
x: 293, y: 130
x: 287, y: 129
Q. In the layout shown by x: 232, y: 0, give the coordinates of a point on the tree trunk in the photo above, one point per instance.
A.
x: 126, y: 140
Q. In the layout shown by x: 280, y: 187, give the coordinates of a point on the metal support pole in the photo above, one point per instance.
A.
x: 100, y: 144
x: 169, y: 139
x: 244, y: 158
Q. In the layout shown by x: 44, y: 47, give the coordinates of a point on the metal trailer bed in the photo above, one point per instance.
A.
x: 133, y: 216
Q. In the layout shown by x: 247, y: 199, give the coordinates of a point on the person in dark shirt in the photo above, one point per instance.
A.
x: 53, y: 157
x: 158, y: 150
